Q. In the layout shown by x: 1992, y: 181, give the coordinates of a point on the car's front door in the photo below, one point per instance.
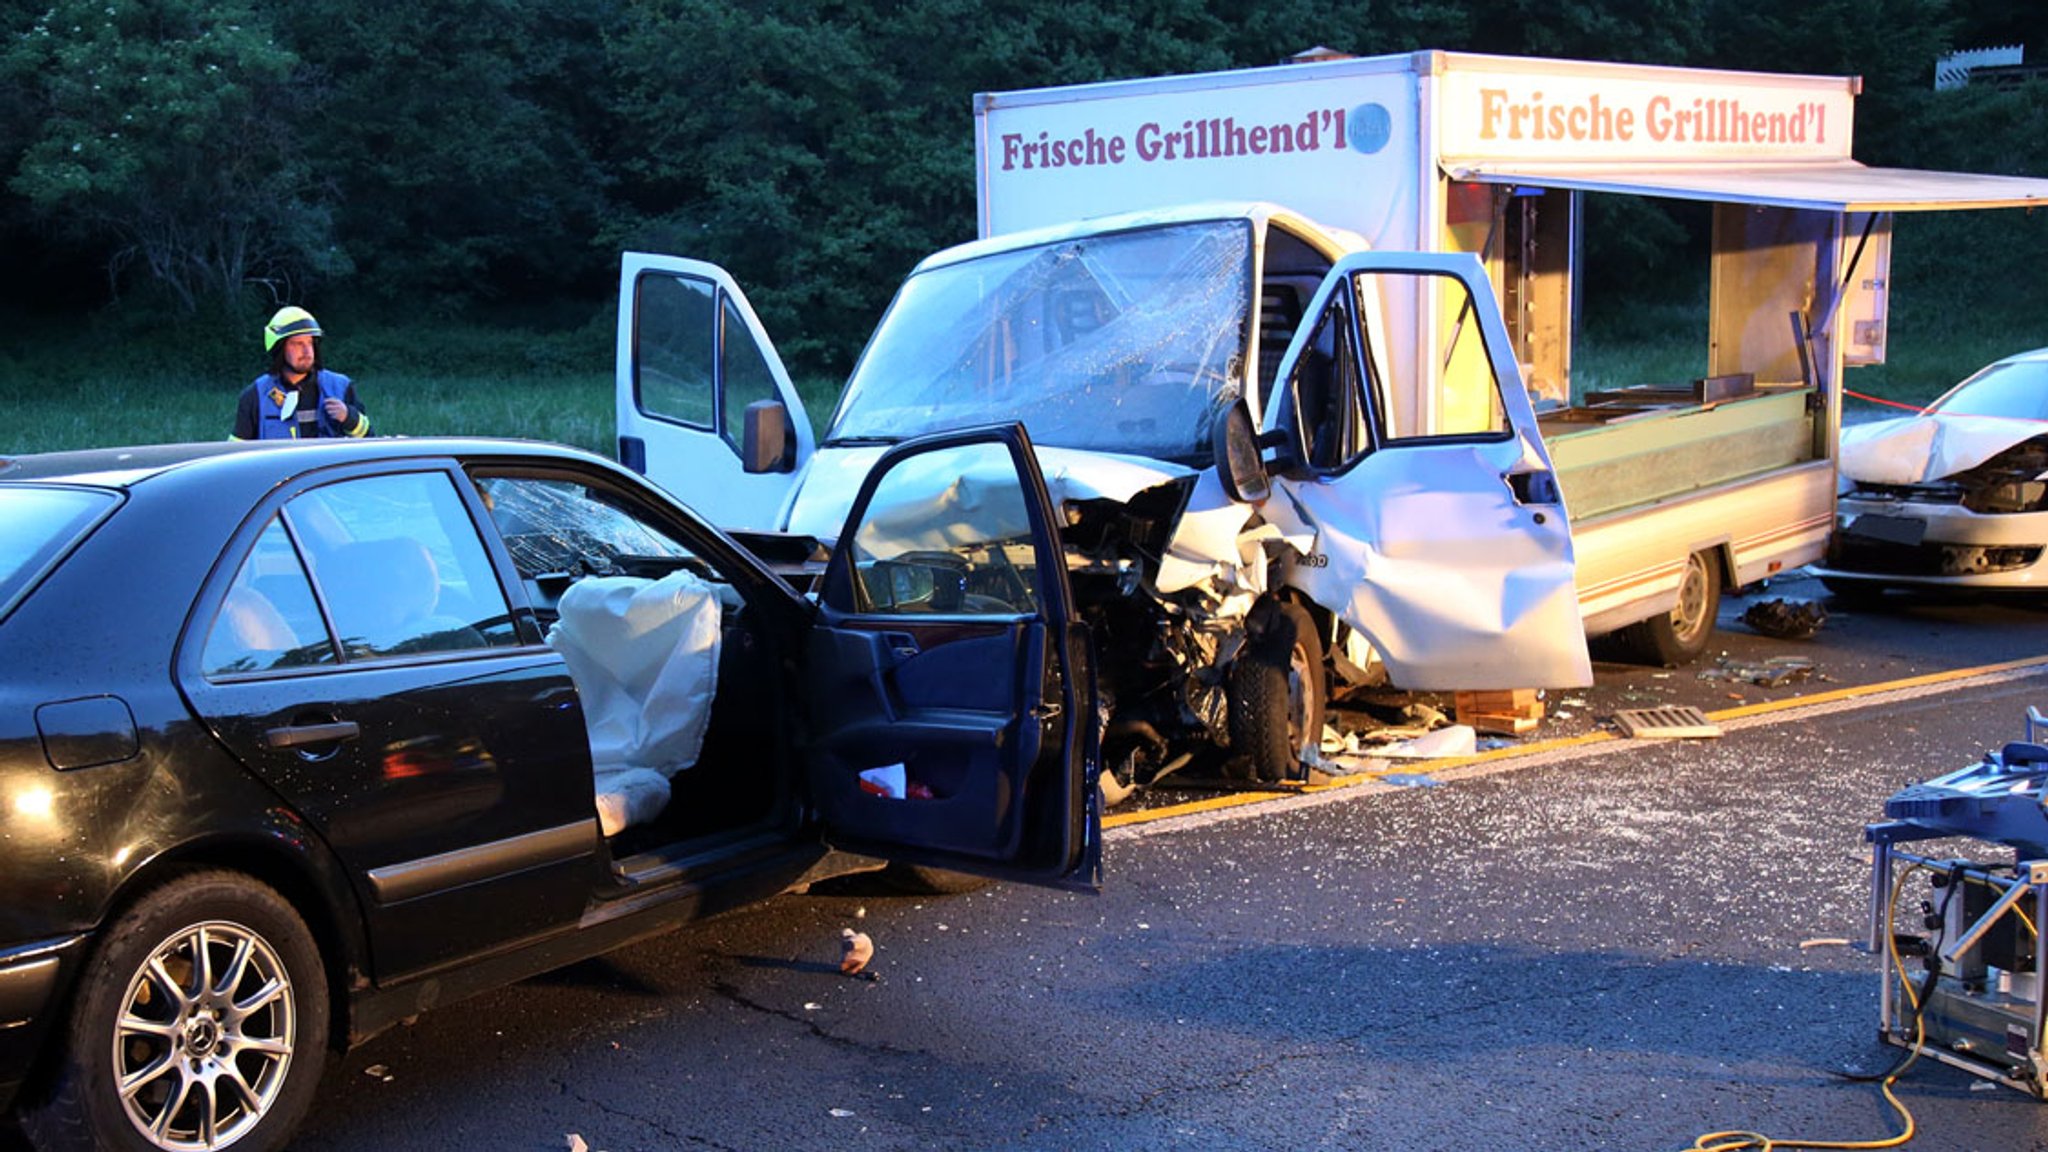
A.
x: 357, y: 653
x: 951, y: 689
x: 692, y: 358
x: 1439, y: 535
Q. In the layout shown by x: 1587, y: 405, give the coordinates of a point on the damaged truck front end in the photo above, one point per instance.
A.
x: 1247, y: 527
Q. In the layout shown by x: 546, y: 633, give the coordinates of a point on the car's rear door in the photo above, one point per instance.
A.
x: 951, y: 690
x: 356, y: 651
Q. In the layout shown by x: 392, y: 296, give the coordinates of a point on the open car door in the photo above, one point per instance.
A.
x: 1440, y: 535
x: 704, y: 407
x: 952, y: 691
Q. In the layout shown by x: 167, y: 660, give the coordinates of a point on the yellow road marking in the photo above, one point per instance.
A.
x: 1241, y: 799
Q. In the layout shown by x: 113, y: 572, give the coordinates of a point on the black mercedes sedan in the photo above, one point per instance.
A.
x: 297, y: 741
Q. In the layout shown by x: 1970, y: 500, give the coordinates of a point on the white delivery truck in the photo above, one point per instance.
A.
x: 1300, y: 443
x: 1675, y: 488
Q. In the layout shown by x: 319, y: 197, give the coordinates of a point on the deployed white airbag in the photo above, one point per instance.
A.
x: 644, y: 656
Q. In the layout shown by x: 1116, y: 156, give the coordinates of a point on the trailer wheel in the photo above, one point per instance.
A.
x: 1276, y: 693
x: 1679, y: 636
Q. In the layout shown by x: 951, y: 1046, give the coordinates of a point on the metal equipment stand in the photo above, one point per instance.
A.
x: 1985, y: 1013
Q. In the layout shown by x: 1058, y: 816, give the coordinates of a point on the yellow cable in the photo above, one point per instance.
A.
x: 1736, y: 1140
x: 2026, y: 920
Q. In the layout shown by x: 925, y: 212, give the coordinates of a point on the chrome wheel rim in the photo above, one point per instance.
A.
x: 204, y: 1037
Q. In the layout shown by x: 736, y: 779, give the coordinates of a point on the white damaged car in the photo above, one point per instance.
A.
x: 1954, y: 497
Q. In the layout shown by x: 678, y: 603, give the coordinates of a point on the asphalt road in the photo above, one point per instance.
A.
x: 1611, y: 948
x: 1598, y: 944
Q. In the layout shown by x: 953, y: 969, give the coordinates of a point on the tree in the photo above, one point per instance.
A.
x: 459, y: 136
x: 165, y: 144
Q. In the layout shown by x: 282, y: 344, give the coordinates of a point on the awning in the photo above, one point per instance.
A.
x: 1829, y: 186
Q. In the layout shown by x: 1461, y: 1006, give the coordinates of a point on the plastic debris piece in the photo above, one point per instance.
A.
x: 855, y: 950
x: 841, y: 1113
x: 379, y: 1071
x: 576, y: 1143
x: 1456, y: 740
x: 1775, y: 672
x: 1424, y: 716
x: 1786, y: 619
x: 1825, y: 942
x: 887, y: 781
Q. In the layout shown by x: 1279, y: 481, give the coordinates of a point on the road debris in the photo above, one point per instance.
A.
x: 1775, y: 672
x: 1456, y: 740
x: 1672, y: 722
x: 855, y: 950
x: 1786, y: 619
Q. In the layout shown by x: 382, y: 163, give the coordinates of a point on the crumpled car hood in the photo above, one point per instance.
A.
x: 1919, y: 449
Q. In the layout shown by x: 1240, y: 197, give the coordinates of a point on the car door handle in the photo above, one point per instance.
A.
x: 300, y: 735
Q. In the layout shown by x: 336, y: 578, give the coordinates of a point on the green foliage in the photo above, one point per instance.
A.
x: 481, y: 163
x: 457, y: 138
x: 165, y: 135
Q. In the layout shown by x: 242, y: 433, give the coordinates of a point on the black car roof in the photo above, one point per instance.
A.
x: 120, y: 467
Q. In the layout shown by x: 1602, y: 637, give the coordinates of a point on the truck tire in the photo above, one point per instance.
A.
x: 1680, y: 635
x: 1277, y: 689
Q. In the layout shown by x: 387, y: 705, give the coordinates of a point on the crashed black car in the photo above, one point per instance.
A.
x: 297, y: 741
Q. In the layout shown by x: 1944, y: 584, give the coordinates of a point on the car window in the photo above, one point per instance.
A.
x: 947, y: 532
x: 36, y: 525
x: 1328, y: 390
x: 400, y: 567
x: 559, y: 527
x: 2017, y: 390
x: 745, y: 371
x: 674, y: 334
x: 1424, y: 338
x: 268, y: 619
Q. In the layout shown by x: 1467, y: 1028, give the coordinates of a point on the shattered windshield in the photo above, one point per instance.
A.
x: 2014, y: 390
x: 1129, y: 342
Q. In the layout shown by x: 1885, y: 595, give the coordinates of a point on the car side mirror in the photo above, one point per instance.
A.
x: 1236, y: 447
x: 764, y: 437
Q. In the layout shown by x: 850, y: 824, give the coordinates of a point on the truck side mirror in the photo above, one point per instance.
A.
x: 1236, y: 448
x: 764, y: 437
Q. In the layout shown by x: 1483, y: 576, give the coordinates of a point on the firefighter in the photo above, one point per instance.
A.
x: 298, y: 399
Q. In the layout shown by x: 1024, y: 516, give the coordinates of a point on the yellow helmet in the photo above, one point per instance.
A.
x: 289, y: 321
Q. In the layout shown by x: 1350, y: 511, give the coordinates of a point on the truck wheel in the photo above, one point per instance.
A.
x: 1679, y: 636
x: 200, y: 1021
x: 1276, y: 693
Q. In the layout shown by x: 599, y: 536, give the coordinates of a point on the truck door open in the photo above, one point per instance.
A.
x: 704, y: 405
x: 1449, y: 552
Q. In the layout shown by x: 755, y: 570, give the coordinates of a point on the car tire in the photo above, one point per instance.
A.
x: 1277, y: 692
x: 1680, y: 635
x: 262, y: 1025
